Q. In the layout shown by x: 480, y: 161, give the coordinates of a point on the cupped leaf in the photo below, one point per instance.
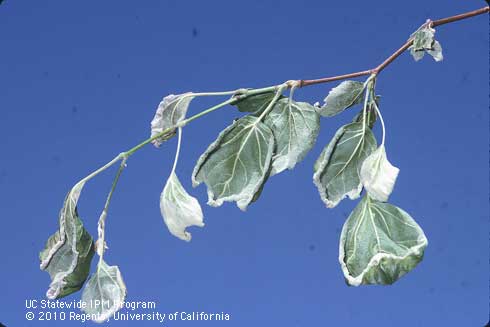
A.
x: 255, y: 104
x: 341, y: 97
x: 295, y: 126
x: 378, y: 175
x: 69, y: 251
x: 337, y: 169
x: 179, y: 209
x: 170, y: 111
x: 379, y: 244
x: 423, y: 41
x: 104, y: 293
x: 237, y: 163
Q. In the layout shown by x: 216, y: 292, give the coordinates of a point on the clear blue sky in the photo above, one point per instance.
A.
x: 80, y: 81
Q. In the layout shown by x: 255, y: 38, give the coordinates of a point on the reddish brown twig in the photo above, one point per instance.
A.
x: 397, y: 53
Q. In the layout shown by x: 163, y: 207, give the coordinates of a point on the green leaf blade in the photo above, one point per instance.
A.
x: 69, y: 251
x: 237, y: 163
x: 379, y: 244
x: 104, y: 293
x: 337, y: 169
x: 255, y: 104
x: 295, y: 126
x: 341, y: 97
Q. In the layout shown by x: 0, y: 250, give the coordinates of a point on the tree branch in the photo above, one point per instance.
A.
x: 397, y: 53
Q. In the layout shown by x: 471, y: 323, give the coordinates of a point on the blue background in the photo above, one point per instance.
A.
x: 80, y: 82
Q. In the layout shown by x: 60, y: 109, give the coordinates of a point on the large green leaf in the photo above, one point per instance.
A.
x: 171, y: 110
x: 341, y: 97
x: 255, y: 104
x: 295, y: 126
x: 179, y: 209
x: 379, y: 244
x: 337, y: 169
x: 236, y: 164
x: 423, y: 41
x: 69, y: 251
x: 104, y: 293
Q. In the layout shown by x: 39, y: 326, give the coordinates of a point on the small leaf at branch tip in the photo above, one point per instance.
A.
x: 179, y: 209
x: 378, y: 175
x: 423, y: 41
x: 171, y: 110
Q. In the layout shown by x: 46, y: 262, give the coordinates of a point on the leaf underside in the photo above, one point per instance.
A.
x: 379, y: 244
x: 237, y: 163
x: 179, y: 209
x: 69, y: 251
x: 104, y: 293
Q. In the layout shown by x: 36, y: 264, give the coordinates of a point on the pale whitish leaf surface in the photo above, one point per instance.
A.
x: 237, y: 163
x: 295, y: 126
x: 341, y: 97
x: 179, y: 209
x: 378, y: 175
x: 255, y: 104
x: 104, y: 292
x: 423, y: 41
x: 379, y: 244
x: 337, y: 169
x: 171, y: 110
x: 69, y: 251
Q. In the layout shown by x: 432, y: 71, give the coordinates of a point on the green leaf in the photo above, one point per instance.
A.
x: 69, y: 251
x: 371, y: 114
x: 423, y: 41
x: 237, y: 163
x: 179, y: 209
x: 337, y: 169
x: 341, y: 97
x: 170, y: 111
x: 255, y: 104
x: 378, y: 175
x: 295, y: 126
x: 379, y: 244
x: 104, y: 293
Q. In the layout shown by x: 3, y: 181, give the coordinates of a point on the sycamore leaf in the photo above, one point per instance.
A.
x: 68, y: 252
x: 337, y: 169
x: 423, y: 41
x: 237, y: 163
x: 295, y: 126
x: 179, y: 209
x: 378, y: 175
x: 170, y: 111
x: 341, y: 97
x: 255, y: 104
x: 104, y: 293
x: 379, y: 244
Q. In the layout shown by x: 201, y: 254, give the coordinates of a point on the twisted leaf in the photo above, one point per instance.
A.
x: 237, y: 163
x: 423, y: 41
x: 104, y: 293
x: 378, y: 175
x: 379, y: 244
x: 179, y: 209
x: 69, y: 251
x: 341, y: 97
x: 170, y: 111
